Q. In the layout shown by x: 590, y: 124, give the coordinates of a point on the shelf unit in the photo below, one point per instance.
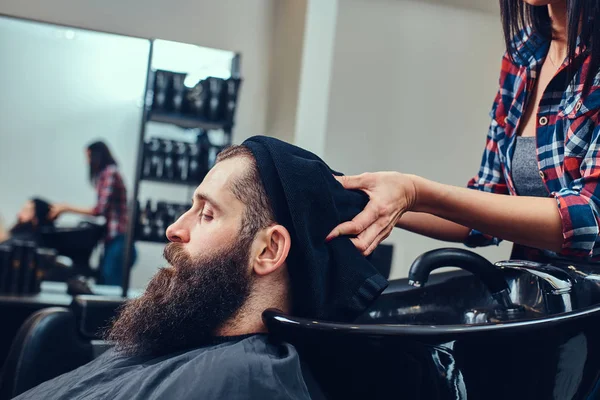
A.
x: 184, y: 122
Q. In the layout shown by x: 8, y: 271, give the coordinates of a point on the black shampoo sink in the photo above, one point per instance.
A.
x: 451, y: 339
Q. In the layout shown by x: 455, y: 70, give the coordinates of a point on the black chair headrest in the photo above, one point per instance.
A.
x: 45, y: 346
x: 95, y: 313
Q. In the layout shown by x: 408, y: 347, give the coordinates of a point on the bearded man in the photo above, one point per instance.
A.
x: 254, y: 239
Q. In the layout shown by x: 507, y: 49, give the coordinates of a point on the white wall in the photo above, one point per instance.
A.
x: 241, y: 26
x: 286, y: 61
x: 411, y: 87
x: 317, y: 61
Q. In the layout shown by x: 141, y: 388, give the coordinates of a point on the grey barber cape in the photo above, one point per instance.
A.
x: 244, y: 367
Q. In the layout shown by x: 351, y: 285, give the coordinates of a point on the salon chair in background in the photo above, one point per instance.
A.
x: 76, y: 243
x: 56, y: 340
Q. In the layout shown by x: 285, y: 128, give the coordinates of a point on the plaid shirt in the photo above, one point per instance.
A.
x: 112, y: 202
x: 568, y: 145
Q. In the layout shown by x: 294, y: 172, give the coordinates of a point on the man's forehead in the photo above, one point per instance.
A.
x: 219, y: 180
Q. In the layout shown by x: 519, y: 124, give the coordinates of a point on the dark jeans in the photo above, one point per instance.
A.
x: 112, y: 263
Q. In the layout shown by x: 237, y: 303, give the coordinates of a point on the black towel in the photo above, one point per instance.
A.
x: 331, y: 281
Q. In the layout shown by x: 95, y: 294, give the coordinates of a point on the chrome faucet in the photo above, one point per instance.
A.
x: 491, y: 276
x: 555, y: 285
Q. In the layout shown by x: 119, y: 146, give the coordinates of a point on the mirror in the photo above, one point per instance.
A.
x: 63, y: 88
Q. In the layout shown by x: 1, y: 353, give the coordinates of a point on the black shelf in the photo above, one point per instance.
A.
x: 186, y: 121
x: 169, y: 181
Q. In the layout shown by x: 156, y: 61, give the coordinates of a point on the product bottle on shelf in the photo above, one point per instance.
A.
x: 162, y: 83
x: 159, y: 160
x: 194, y: 166
x: 198, y: 99
x: 156, y: 161
x: 147, y: 163
x: 232, y: 88
x: 183, y: 161
x: 215, y: 104
x: 178, y: 92
x: 146, y: 218
x: 169, y: 171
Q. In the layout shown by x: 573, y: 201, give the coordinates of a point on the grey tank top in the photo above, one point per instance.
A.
x: 525, y: 172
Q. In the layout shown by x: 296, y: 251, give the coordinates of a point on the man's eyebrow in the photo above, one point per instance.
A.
x: 208, y: 199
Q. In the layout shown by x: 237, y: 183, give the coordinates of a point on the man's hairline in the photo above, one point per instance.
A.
x: 230, y: 185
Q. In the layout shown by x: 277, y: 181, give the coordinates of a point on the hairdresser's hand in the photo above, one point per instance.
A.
x: 56, y: 210
x: 391, y: 194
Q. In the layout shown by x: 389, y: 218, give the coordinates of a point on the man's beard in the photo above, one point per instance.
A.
x: 185, y: 304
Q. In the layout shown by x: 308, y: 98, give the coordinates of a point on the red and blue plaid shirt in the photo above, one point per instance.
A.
x: 568, y: 143
x: 112, y: 202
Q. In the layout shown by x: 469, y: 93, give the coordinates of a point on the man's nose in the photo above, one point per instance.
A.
x: 177, y: 232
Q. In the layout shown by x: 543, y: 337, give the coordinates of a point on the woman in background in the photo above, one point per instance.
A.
x: 111, y: 204
x: 33, y: 215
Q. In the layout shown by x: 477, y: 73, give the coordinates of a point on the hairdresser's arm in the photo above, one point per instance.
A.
x: 433, y: 227
x: 58, y: 209
x: 529, y: 221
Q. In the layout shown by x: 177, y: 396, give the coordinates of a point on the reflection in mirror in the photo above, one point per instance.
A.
x: 62, y: 90
x: 71, y: 115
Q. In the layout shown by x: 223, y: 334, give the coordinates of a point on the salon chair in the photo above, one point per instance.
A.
x: 54, y: 341
x: 76, y: 243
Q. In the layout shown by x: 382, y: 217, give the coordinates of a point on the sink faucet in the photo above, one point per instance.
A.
x: 491, y: 276
x: 556, y: 286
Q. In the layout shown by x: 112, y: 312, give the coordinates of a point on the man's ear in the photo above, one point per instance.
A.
x: 272, y: 248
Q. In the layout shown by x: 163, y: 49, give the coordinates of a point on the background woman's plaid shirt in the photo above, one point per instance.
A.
x: 112, y: 202
x: 568, y: 143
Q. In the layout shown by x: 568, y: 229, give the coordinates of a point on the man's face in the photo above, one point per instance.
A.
x: 215, y: 218
x: 209, y: 278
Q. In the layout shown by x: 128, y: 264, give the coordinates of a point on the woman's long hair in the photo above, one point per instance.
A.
x: 100, y: 158
x: 516, y: 15
x: 30, y: 229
